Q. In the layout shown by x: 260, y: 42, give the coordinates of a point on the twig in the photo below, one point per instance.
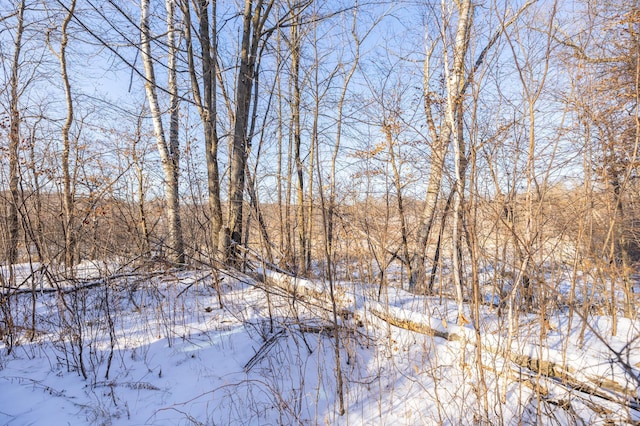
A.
x: 204, y: 277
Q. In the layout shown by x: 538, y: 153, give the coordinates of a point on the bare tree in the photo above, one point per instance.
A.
x: 11, y: 253
x: 442, y: 130
x: 14, y: 141
x: 137, y: 154
x: 454, y: 77
x: 205, y: 100
x: 295, y: 47
x: 169, y: 151
x: 254, y: 18
x: 608, y: 62
x: 68, y: 184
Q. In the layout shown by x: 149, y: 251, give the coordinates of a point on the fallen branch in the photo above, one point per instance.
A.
x: 202, y: 278
x: 263, y: 351
x: 79, y: 284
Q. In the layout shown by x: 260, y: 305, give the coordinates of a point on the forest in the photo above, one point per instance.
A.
x: 320, y: 212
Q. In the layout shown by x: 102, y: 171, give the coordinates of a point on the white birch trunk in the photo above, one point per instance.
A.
x: 169, y: 161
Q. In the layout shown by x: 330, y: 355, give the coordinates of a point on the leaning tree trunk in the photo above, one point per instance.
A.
x: 439, y: 149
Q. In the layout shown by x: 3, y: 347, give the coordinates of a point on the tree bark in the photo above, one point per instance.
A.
x: 68, y: 191
x: 454, y: 113
x: 238, y: 154
x: 168, y: 154
x: 253, y: 23
x: 173, y: 198
x: 439, y: 149
x: 301, y: 222
x: 14, y: 142
x: 207, y: 108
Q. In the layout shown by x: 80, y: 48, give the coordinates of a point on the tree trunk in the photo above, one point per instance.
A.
x: 207, y: 108
x: 297, y: 142
x: 168, y: 155
x: 253, y: 22
x: 283, y: 240
x: 312, y: 152
x: 14, y: 141
x: 387, y: 129
x: 68, y: 191
x: 173, y: 196
x: 454, y: 113
x: 439, y: 149
x: 238, y: 154
x: 145, y: 243
x: 336, y: 149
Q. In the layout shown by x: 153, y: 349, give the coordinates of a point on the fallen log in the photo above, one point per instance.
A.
x: 305, y: 289
x: 560, y: 373
x: 564, y: 375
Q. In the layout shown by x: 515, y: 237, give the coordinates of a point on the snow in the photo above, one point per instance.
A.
x: 266, y: 358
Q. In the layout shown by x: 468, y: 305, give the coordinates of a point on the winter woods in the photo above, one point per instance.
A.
x: 478, y: 156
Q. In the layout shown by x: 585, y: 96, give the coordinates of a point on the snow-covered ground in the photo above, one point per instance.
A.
x: 157, y: 348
